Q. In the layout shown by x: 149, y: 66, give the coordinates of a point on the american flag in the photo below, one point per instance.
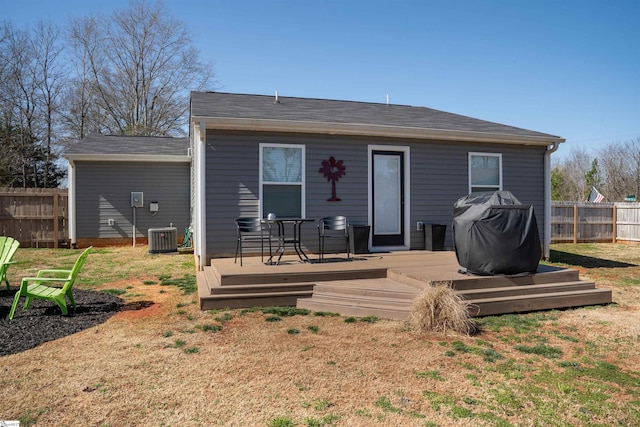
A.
x: 595, y: 196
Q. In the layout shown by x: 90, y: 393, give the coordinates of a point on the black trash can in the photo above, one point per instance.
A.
x: 359, y: 239
x: 434, y: 237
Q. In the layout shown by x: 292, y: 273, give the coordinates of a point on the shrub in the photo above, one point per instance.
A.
x: 438, y: 309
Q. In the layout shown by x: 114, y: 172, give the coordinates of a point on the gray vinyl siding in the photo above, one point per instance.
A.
x: 439, y: 177
x: 103, y: 192
x: 232, y: 184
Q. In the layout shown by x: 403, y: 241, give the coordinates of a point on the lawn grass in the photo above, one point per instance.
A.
x: 172, y: 364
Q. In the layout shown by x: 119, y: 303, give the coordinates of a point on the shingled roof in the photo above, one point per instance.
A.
x: 123, y: 147
x: 258, y: 110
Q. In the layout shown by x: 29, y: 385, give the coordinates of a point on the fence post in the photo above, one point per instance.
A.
x: 56, y: 230
x: 615, y: 224
x: 575, y: 224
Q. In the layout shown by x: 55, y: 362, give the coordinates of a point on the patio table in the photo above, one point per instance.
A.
x: 293, y: 241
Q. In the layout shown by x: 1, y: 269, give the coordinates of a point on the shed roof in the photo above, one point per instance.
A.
x: 262, y: 112
x: 126, y: 147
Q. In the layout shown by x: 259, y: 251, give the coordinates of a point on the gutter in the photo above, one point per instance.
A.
x: 71, y: 201
x: 172, y: 158
x: 547, y: 198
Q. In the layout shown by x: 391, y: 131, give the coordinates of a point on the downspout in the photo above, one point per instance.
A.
x: 71, y: 200
x: 200, y: 232
x: 547, y: 197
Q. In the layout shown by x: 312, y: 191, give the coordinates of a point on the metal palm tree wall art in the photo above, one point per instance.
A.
x: 333, y: 170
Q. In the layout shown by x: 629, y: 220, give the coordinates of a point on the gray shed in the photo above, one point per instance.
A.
x: 109, y: 174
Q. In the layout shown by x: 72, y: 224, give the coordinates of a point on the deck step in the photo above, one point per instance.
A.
x: 272, y: 299
x: 214, y: 296
x: 482, y: 302
x: 385, y: 288
x: 508, y: 291
x: 346, y: 309
x: 416, y: 277
x: 361, y: 301
x: 299, y: 276
x: 526, y: 303
x: 212, y: 283
x: 251, y: 289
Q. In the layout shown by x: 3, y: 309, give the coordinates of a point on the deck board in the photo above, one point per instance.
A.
x: 385, y: 284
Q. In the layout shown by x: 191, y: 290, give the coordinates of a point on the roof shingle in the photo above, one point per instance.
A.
x: 263, y: 107
x: 129, y: 145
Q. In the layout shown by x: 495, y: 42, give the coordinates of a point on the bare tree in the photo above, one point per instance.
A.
x: 633, y: 152
x: 27, y: 107
x: 49, y: 83
x: 83, y: 115
x: 127, y: 73
x: 18, y: 97
x: 142, y: 65
x: 617, y: 171
x: 573, y: 170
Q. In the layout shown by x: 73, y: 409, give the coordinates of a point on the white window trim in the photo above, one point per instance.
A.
x: 303, y: 197
x: 498, y: 155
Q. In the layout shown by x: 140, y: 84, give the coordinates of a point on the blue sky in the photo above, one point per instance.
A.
x: 568, y: 68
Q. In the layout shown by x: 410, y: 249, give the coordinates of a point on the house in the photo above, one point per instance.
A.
x: 108, y: 175
x: 387, y: 166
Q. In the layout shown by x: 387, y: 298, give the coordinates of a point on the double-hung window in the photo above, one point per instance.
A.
x: 282, y: 172
x: 485, y: 172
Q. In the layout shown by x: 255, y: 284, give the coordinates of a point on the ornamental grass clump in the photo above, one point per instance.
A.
x: 438, y: 309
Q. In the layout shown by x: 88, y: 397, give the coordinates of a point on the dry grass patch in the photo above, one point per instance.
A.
x: 171, y: 364
x: 439, y: 309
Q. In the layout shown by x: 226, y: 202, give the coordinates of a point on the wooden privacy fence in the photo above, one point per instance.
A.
x: 37, y: 217
x: 594, y: 222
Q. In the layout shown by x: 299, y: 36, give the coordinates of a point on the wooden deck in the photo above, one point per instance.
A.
x: 385, y: 284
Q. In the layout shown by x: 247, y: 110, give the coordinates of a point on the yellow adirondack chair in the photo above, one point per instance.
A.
x: 32, y: 287
x: 8, y: 247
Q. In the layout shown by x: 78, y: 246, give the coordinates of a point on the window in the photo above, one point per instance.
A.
x: 485, y: 172
x: 282, y: 175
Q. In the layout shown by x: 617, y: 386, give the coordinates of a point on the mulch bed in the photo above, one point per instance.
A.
x: 44, y: 322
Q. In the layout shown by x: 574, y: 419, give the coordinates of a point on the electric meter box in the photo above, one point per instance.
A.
x: 137, y: 199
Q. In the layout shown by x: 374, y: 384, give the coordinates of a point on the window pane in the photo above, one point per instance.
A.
x: 483, y: 189
x: 387, y: 194
x: 485, y: 171
x: 281, y: 164
x: 283, y: 200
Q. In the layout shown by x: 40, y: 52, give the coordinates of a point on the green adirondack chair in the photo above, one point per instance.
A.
x: 32, y: 287
x: 8, y: 247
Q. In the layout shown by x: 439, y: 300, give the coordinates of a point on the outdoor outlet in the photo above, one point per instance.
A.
x: 420, y: 225
x: 111, y: 222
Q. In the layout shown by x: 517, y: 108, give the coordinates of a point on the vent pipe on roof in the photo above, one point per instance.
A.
x: 387, y: 99
x: 277, y: 101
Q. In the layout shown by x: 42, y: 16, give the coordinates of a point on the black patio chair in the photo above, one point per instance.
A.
x: 333, y: 226
x: 252, y: 230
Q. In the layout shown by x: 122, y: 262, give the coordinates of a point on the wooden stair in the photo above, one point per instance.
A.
x: 218, y: 290
x: 392, y: 298
x: 383, y: 298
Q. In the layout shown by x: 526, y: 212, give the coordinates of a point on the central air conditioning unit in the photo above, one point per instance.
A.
x: 162, y: 240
